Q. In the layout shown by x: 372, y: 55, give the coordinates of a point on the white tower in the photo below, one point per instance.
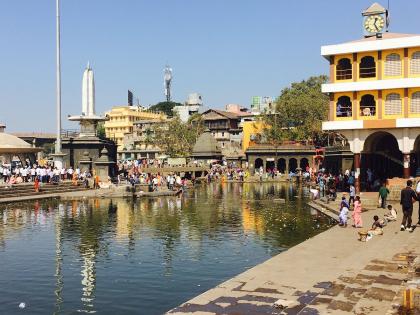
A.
x: 88, y: 93
x: 88, y: 120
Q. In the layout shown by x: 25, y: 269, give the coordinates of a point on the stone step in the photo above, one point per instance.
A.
x: 42, y: 192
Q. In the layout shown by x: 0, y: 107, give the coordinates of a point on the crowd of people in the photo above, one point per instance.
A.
x: 408, y: 198
x: 132, y: 172
x: 38, y: 174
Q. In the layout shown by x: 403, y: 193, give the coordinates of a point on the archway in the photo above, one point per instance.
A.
x: 303, y: 163
x: 368, y: 105
x: 344, y: 106
x: 270, y: 165
x: 292, y: 165
x: 382, y: 155
x: 367, y: 67
x: 415, y: 159
x: 344, y: 69
x: 258, y: 163
x: 281, y: 165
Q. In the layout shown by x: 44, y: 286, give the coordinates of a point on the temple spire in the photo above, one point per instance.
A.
x: 88, y: 92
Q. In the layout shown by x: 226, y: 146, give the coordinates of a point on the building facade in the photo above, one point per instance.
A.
x: 262, y: 104
x: 191, y: 107
x: 121, y: 121
x: 374, y: 94
x: 226, y: 127
x: 140, y: 143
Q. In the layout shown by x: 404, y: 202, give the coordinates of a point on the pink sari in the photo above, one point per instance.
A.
x: 357, y: 214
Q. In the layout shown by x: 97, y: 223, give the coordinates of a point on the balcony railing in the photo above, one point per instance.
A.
x: 344, y: 74
x: 368, y: 72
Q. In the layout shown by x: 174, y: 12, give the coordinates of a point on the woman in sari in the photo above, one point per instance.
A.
x: 357, y: 213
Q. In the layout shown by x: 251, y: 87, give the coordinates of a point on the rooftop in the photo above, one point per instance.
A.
x: 206, y: 146
x: 387, y: 41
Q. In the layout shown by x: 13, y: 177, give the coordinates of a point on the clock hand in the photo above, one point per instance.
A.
x: 376, y: 26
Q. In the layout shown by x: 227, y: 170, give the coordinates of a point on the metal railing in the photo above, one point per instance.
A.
x: 345, y: 74
x: 367, y: 72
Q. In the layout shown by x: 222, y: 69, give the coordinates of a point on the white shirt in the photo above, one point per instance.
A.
x: 418, y: 187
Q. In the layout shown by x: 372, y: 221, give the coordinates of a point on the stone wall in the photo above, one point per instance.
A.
x: 396, y: 184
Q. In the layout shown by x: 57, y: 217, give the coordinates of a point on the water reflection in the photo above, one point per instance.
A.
x: 208, y: 235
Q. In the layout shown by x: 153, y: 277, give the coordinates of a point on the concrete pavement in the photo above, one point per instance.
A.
x: 331, y: 273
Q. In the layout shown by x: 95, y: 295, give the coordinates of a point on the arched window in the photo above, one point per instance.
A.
x: 367, y: 67
x: 415, y: 103
x: 393, y: 65
x: 415, y: 63
x: 343, y: 107
x: 393, y: 104
x: 367, y: 105
x: 344, y: 69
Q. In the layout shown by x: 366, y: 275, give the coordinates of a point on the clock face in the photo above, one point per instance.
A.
x: 374, y: 24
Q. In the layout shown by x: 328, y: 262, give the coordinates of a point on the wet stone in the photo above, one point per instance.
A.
x: 321, y: 300
x: 354, y: 294
x: 294, y: 310
x: 334, y: 290
x: 387, y: 280
x: 380, y: 294
x: 323, y: 285
x: 341, y: 305
x: 267, y: 290
x: 389, y: 267
x: 252, y: 298
x: 309, y: 311
x: 307, y: 297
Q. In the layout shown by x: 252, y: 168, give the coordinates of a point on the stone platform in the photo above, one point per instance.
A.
x: 331, y: 273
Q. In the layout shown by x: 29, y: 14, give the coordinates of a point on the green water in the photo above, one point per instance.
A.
x: 146, y: 256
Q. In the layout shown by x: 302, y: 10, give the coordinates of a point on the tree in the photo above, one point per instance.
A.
x: 165, y: 107
x: 298, y: 114
x: 177, y: 138
x: 100, y: 131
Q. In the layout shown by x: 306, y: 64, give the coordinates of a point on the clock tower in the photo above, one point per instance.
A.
x: 375, y: 20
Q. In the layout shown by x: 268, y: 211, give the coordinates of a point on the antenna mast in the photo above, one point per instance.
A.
x: 167, y: 81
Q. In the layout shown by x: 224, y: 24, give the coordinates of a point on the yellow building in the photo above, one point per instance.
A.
x: 250, y: 129
x: 121, y: 119
x: 374, y: 94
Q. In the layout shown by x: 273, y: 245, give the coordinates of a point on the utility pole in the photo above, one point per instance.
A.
x: 58, y: 88
x: 58, y: 155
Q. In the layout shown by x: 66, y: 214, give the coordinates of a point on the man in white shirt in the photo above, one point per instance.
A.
x: 24, y: 173
x: 33, y: 174
x: 63, y: 173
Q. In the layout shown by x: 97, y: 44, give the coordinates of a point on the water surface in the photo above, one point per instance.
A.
x: 118, y: 256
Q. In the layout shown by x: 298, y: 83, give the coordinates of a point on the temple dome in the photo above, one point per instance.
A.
x: 12, y: 144
x: 206, y: 146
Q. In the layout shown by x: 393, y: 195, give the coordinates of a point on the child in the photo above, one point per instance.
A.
x: 357, y: 213
x: 352, y: 194
x: 344, y: 210
x: 392, y: 215
x: 376, y: 226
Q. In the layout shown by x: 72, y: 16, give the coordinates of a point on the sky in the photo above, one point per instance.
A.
x: 226, y: 50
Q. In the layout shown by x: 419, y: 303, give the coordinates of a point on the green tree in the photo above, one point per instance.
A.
x: 100, y: 131
x: 298, y: 113
x: 165, y: 107
x: 176, y: 138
